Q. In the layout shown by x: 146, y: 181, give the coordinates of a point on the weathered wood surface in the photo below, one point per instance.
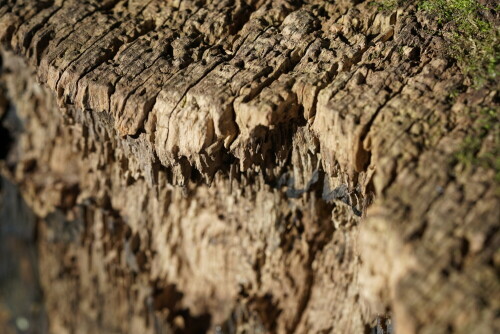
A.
x: 249, y: 166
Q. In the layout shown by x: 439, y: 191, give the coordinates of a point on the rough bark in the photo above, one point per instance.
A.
x: 248, y: 166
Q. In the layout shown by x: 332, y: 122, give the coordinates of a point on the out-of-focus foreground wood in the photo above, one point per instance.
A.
x: 248, y: 166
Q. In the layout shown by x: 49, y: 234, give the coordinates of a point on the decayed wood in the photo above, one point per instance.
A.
x: 249, y: 166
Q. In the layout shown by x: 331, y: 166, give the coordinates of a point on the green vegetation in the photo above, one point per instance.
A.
x: 385, y: 5
x: 474, y: 41
x: 475, y: 152
x: 473, y: 34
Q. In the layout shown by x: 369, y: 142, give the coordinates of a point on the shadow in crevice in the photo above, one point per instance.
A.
x: 179, y: 318
x: 21, y: 307
x: 5, y: 141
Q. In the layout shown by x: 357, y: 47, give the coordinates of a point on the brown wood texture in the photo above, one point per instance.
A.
x: 241, y: 166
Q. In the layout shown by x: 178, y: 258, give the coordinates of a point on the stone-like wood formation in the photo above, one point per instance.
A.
x: 248, y: 166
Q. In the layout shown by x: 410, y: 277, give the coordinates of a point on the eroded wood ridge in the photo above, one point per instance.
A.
x: 211, y: 76
x: 325, y: 133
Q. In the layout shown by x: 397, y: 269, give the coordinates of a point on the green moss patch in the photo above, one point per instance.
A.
x: 474, y: 38
x: 481, y: 148
x: 471, y: 29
